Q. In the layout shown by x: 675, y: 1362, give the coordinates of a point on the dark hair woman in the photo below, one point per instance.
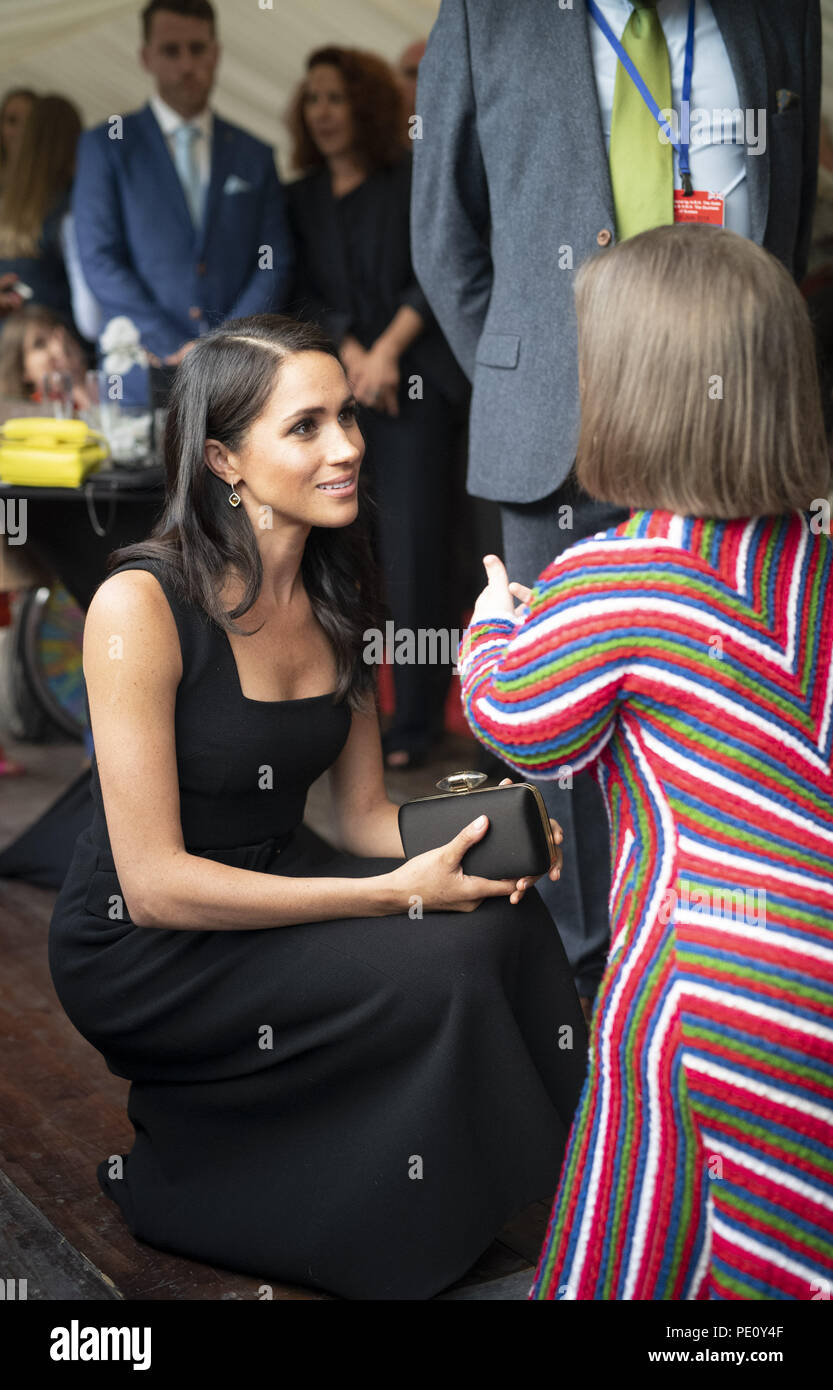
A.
x: 350, y: 218
x: 305, y: 1028
x: 36, y: 200
x: 687, y: 656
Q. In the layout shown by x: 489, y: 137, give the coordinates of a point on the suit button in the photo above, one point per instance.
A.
x: 200, y: 267
x: 194, y: 313
x: 604, y: 237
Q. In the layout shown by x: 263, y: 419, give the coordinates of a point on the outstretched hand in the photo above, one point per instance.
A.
x: 497, y: 599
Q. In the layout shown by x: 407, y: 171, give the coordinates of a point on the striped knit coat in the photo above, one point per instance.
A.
x: 689, y: 665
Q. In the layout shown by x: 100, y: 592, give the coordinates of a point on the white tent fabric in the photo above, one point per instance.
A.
x: 87, y: 50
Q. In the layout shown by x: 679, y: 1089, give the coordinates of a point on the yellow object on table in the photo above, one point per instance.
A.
x: 40, y: 452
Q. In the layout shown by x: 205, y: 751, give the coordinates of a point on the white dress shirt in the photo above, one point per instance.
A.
x: 170, y: 121
x: 718, y: 152
x: 86, y: 311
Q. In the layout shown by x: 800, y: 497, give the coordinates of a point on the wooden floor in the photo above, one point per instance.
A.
x: 62, y: 1111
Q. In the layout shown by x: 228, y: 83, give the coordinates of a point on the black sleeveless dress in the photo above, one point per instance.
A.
x: 352, y: 1105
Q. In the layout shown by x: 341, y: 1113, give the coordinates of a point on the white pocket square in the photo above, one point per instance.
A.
x: 234, y: 184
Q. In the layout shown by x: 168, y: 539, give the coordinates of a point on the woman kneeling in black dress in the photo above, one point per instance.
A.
x: 342, y: 1075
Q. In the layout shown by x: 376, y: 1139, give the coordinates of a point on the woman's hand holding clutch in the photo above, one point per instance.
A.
x: 436, y: 878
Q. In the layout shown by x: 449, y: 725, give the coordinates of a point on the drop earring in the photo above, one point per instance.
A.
x: 234, y: 496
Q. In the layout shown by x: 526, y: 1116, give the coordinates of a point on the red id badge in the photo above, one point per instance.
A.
x: 698, y: 207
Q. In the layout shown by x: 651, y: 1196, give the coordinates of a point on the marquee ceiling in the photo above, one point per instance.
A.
x: 87, y: 50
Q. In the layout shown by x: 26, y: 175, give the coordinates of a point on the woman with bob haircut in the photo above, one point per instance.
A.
x: 686, y: 656
x: 339, y: 1079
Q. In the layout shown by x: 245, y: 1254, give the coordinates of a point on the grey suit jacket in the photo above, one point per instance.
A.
x: 512, y: 166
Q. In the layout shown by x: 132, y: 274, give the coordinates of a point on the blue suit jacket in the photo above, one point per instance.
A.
x: 140, y: 252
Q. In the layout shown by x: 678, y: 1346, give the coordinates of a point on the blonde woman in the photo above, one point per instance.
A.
x: 15, y: 109
x: 36, y: 200
x: 685, y: 656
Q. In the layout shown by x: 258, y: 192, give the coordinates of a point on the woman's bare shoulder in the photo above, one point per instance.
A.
x: 129, y: 614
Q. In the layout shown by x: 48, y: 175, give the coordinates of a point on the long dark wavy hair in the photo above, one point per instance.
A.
x: 221, y: 387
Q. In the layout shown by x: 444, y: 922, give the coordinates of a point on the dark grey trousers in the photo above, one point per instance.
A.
x: 578, y: 902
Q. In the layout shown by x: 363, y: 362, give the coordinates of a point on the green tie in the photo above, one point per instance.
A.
x: 641, y: 167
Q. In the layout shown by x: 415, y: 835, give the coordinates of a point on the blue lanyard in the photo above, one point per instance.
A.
x: 681, y: 146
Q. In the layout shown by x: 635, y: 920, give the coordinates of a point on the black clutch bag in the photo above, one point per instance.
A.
x: 518, y: 843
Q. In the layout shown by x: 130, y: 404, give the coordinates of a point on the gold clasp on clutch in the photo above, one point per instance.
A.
x: 461, y: 782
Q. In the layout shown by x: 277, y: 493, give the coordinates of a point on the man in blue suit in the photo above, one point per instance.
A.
x: 179, y: 215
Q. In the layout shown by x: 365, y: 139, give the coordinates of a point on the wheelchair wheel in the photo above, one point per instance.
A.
x: 46, y: 672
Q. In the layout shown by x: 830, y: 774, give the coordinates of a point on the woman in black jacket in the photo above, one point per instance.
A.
x: 350, y: 216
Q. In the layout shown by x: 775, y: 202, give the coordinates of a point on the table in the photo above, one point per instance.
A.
x: 72, y: 530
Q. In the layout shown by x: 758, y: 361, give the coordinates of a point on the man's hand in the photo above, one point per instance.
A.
x: 176, y: 357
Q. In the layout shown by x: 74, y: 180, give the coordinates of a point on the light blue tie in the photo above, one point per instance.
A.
x: 185, y: 158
